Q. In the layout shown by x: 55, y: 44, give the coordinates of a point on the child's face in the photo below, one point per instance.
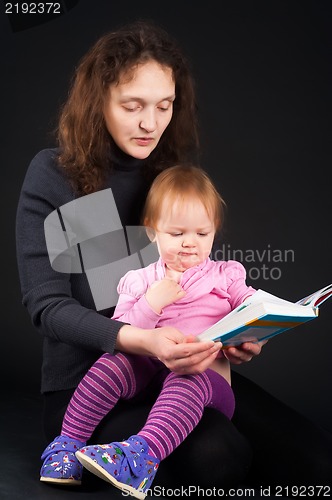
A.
x: 184, y: 234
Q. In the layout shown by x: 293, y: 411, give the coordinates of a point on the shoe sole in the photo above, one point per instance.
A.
x: 65, y: 482
x: 96, y: 469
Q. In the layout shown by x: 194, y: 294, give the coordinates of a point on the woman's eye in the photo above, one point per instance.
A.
x: 166, y: 106
x: 131, y: 106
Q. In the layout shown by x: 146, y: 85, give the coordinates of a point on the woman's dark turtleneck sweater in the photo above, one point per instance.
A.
x: 129, y: 186
x: 61, y: 305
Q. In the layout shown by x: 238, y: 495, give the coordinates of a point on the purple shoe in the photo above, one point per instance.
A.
x: 127, y: 464
x: 60, y: 463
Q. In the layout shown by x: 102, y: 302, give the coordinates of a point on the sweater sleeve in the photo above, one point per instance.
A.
x: 60, y: 305
x: 132, y: 306
x: 236, y: 283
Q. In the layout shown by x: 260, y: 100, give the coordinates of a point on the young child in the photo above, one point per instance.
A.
x: 184, y: 289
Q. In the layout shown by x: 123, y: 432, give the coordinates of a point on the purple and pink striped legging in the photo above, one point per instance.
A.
x: 176, y: 412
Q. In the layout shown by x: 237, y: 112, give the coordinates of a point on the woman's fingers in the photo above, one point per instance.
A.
x: 193, y: 357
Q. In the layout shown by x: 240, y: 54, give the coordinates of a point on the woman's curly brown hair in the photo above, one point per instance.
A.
x: 84, y: 142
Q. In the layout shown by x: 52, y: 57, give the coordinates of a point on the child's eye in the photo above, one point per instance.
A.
x: 176, y: 234
x: 202, y: 234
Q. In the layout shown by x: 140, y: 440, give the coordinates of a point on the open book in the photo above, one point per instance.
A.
x: 264, y: 315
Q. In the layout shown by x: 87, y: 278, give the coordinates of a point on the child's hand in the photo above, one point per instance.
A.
x: 162, y: 293
x: 244, y: 352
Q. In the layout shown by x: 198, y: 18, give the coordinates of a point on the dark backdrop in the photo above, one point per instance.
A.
x: 263, y: 75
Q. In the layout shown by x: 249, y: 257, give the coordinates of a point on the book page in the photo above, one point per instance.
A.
x: 262, y: 296
x: 317, y: 298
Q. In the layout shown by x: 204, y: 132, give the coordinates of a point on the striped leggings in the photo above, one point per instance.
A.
x: 176, y: 412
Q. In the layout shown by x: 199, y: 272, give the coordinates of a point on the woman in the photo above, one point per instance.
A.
x: 131, y: 111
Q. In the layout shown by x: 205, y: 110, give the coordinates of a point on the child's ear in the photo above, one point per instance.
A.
x: 151, y: 234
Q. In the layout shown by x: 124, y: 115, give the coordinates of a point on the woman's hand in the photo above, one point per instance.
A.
x: 184, y: 354
x: 244, y: 352
x: 181, y: 354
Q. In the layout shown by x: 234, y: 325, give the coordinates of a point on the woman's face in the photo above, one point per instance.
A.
x: 138, y: 111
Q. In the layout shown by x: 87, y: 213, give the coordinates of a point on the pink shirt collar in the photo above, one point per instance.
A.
x: 200, y: 269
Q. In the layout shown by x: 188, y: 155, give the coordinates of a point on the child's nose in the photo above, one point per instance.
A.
x: 188, y: 241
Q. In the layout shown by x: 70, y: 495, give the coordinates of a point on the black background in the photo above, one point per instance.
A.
x: 263, y: 77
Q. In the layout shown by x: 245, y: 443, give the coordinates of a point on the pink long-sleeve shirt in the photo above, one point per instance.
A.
x: 213, y: 289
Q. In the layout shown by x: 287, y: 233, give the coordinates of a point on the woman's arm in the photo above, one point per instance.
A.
x: 60, y: 305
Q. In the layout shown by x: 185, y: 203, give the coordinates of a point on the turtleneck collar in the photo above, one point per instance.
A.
x: 123, y: 161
